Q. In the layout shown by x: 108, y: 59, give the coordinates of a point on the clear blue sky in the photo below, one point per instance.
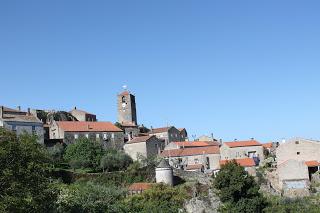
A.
x: 238, y: 69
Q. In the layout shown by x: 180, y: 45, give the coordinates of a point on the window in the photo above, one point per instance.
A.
x: 14, y: 128
x: 97, y: 136
x: 297, y: 142
x: 104, y: 136
x: 87, y: 135
x: 196, y: 161
x: 33, y: 130
x: 298, y: 153
x: 123, y: 99
x: 76, y: 136
x: 112, y: 135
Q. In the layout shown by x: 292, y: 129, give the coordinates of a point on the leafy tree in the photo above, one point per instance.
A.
x: 89, y: 197
x: 56, y: 153
x: 84, y: 154
x: 115, y: 161
x: 160, y: 198
x: 238, y: 190
x: 24, y: 185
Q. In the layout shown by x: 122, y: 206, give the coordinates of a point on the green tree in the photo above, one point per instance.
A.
x: 89, y: 197
x: 84, y: 154
x: 238, y: 190
x: 56, y: 153
x: 115, y: 161
x: 24, y: 185
x: 160, y: 198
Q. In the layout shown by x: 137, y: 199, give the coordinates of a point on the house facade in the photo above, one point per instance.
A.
x: 81, y: 115
x: 21, y: 122
x: 145, y: 146
x: 242, y: 149
x: 168, y: 134
x: 189, y: 144
x: 298, y: 149
x: 183, y: 134
x: 106, y: 133
x: 195, y: 157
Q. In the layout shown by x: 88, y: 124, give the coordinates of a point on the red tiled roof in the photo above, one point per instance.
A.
x: 312, y: 163
x: 242, y: 143
x: 140, y: 186
x: 125, y: 93
x: 245, y: 162
x: 84, y: 126
x: 159, y: 130
x: 140, y: 139
x: 267, y: 145
x: 191, y: 151
x: 196, y: 143
x: 194, y: 167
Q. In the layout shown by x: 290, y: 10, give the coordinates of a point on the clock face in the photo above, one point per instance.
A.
x: 124, y: 105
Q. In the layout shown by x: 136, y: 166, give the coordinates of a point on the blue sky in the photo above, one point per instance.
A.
x: 237, y: 69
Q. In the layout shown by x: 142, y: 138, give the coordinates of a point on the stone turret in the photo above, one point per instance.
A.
x: 164, y: 173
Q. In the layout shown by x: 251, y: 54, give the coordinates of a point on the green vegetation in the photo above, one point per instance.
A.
x: 160, y: 198
x: 237, y: 190
x: 24, y: 184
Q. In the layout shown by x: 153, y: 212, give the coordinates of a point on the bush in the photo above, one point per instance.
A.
x: 84, y: 154
x: 238, y: 190
x: 115, y: 161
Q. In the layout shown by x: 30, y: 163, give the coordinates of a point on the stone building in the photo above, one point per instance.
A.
x: 183, y: 134
x: 298, y: 149
x: 127, y: 114
x: 81, y: 115
x: 145, y: 146
x: 168, y: 134
x: 248, y: 164
x: 164, y: 173
x: 20, y: 122
x: 293, y: 178
x: 190, y: 144
x: 242, y: 149
x: 106, y: 133
x: 138, y: 188
x: 183, y: 158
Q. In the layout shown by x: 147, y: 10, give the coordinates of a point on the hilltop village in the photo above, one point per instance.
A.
x: 287, y: 168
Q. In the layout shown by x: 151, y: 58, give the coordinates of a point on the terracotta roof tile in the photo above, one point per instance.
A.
x: 140, y: 186
x: 312, y: 163
x: 85, y: 126
x: 191, y: 151
x: 245, y: 162
x: 125, y: 93
x: 187, y: 144
x: 267, y: 145
x: 243, y: 143
x: 159, y: 130
x: 140, y: 139
x: 194, y: 167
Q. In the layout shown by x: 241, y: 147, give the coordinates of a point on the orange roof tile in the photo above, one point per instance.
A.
x: 242, y: 143
x: 85, y: 126
x: 312, y: 163
x: 124, y: 93
x: 194, y: 167
x: 245, y: 162
x: 191, y: 151
x: 140, y: 139
x: 195, y: 143
x: 140, y: 186
x: 267, y: 145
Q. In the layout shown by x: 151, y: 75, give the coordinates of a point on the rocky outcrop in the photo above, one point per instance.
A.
x: 207, y: 204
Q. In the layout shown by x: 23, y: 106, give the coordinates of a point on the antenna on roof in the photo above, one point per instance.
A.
x: 125, y: 87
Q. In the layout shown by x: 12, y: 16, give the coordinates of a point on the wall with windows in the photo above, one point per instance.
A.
x: 228, y: 153
x: 298, y: 149
x: 28, y: 127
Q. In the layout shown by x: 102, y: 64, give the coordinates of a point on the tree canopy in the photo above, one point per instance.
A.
x: 238, y: 190
x: 24, y: 184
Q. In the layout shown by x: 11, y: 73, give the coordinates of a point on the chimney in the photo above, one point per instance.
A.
x: 19, y: 108
x: 252, y: 139
x: 1, y: 112
x: 29, y: 113
x: 235, y: 139
x: 75, y: 108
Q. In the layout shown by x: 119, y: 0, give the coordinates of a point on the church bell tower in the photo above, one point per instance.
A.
x: 127, y: 114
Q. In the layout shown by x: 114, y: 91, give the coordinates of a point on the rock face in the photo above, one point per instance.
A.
x: 208, y: 204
